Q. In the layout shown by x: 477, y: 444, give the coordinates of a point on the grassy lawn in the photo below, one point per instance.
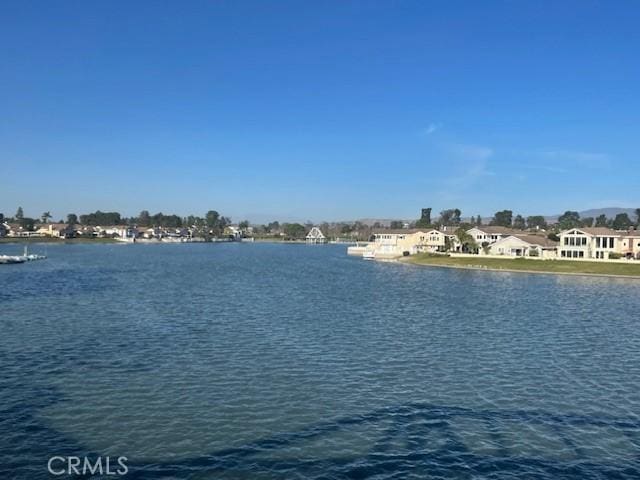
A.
x: 549, y: 266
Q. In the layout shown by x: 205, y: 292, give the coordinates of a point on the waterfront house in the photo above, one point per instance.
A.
x: 589, y: 243
x: 17, y: 230
x: 57, y: 230
x: 315, y: 236
x: 489, y: 234
x: 393, y: 243
x: 525, y: 245
x: 440, y: 240
x: 631, y: 244
x: 233, y: 231
x: 599, y: 243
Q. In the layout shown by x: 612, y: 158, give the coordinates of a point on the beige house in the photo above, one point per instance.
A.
x: 56, y: 230
x: 525, y: 246
x: 631, y: 244
x: 599, y: 243
x: 394, y: 243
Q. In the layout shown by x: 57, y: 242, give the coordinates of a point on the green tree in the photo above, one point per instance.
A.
x: 294, y: 230
x: 467, y: 242
x: 586, y: 222
x: 45, y: 217
x: 346, y: 228
x: 622, y: 222
x: 243, y: 225
x: 19, y: 214
x: 601, y: 221
x: 637, y: 217
x: 396, y: 224
x: 144, y: 219
x: 519, y: 222
x: 569, y: 219
x: 478, y: 221
x: 215, y: 222
x: 502, y: 218
x: 212, y: 218
x: 451, y: 216
x: 425, y: 218
x: 274, y: 227
x: 101, y: 218
x: 27, y: 223
x: 536, y: 221
x: 72, y: 219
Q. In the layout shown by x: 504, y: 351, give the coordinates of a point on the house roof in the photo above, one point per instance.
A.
x: 540, y: 240
x: 595, y: 231
x: 400, y: 231
x: 315, y: 232
x: 495, y: 229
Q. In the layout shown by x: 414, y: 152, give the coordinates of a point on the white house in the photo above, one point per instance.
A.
x: 315, y: 236
x: 599, y: 243
x: 525, y: 246
x: 491, y: 234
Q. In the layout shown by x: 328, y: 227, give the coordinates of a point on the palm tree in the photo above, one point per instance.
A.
x: 45, y: 217
x: 467, y: 242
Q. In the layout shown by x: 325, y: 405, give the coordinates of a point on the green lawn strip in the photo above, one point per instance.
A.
x: 549, y: 266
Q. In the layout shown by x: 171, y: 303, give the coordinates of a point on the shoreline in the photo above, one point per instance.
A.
x: 409, y: 261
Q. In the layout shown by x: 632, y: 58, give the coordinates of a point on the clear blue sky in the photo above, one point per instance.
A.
x: 319, y: 110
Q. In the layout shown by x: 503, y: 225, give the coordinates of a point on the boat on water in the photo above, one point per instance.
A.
x: 6, y: 259
x: 369, y: 255
x: 25, y: 257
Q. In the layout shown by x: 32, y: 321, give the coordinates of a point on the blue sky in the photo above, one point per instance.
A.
x: 319, y: 110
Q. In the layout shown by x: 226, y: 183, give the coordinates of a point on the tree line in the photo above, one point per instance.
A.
x: 505, y: 218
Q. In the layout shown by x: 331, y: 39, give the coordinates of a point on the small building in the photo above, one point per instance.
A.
x: 4, y: 229
x: 315, y: 236
x: 525, y: 246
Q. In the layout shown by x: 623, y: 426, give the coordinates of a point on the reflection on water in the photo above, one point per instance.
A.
x: 288, y: 361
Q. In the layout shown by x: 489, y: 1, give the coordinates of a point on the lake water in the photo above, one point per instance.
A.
x: 266, y: 361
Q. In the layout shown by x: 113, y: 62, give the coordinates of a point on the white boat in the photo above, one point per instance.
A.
x: 5, y: 259
x: 25, y: 257
x: 369, y: 255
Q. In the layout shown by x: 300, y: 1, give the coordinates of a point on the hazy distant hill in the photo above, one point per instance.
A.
x: 610, y: 212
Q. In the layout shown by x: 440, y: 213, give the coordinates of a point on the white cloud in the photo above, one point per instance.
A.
x: 468, y: 165
x: 431, y: 128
